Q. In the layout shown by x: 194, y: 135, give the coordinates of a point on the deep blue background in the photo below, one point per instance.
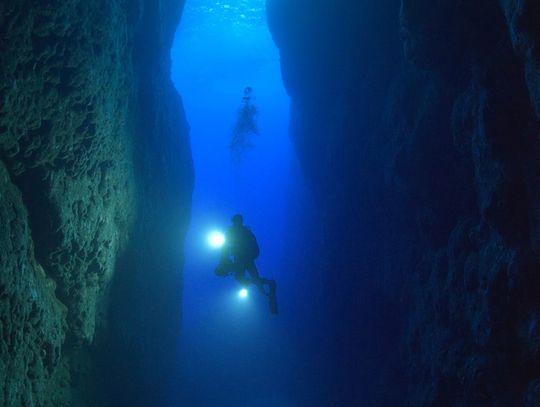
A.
x: 234, y: 353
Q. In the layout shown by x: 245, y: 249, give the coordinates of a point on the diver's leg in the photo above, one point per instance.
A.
x: 241, y: 278
x: 255, y: 278
x: 261, y: 281
x: 237, y: 268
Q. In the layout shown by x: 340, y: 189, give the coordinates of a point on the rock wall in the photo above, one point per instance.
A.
x: 338, y: 76
x: 94, y: 153
x: 417, y: 125
x: 477, y: 292
x: 139, y: 356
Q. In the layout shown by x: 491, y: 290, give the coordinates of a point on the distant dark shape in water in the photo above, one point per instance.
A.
x: 248, y: 90
x: 238, y: 256
x: 245, y: 127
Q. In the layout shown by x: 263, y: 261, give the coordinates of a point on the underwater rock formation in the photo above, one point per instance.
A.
x: 32, y: 319
x: 417, y: 125
x: 94, y: 153
x: 478, y: 291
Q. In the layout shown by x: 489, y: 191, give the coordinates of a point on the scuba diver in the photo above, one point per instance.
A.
x: 247, y: 94
x: 238, y: 256
x: 245, y: 127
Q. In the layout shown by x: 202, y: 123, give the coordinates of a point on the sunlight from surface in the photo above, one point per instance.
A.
x: 221, y: 49
x: 235, y: 14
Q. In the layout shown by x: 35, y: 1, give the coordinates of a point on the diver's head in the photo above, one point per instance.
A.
x: 237, y: 220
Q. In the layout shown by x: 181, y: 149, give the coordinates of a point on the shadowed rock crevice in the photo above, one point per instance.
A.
x: 418, y: 129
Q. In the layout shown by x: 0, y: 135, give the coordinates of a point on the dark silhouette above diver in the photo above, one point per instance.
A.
x: 247, y: 94
x: 245, y: 127
x: 238, y: 255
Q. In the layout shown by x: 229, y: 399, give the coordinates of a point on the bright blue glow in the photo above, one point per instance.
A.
x: 220, y: 48
x: 216, y: 239
x: 243, y: 293
x: 234, y: 16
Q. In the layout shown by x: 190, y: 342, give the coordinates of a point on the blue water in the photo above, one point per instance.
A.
x: 234, y: 352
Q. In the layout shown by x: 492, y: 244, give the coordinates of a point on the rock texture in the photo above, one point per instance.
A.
x: 92, y: 144
x: 32, y: 319
x: 417, y: 124
x: 139, y: 362
x: 479, y: 290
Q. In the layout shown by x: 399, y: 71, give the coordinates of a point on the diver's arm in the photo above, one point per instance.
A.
x: 226, y: 248
x: 225, y: 252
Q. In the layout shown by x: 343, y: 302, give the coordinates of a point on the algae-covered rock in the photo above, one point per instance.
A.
x: 67, y: 87
x: 32, y: 320
x: 84, y: 117
x: 66, y: 90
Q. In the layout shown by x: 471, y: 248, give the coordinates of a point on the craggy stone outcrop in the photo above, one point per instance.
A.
x: 32, y: 320
x: 417, y: 124
x: 92, y: 145
x: 478, y: 291
x: 139, y: 357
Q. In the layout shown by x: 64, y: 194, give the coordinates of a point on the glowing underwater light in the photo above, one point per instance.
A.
x: 243, y: 293
x: 216, y: 239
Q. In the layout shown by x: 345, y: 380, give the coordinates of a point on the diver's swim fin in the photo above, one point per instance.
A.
x: 272, y: 297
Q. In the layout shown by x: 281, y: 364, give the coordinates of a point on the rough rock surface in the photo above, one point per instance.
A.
x: 479, y: 290
x: 139, y: 363
x: 32, y: 320
x: 92, y: 135
x: 65, y: 141
x: 417, y: 124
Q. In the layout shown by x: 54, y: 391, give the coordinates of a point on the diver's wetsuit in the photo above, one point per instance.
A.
x: 238, y: 246
x: 238, y: 255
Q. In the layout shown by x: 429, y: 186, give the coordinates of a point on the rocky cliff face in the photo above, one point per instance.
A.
x: 95, y: 175
x: 417, y: 124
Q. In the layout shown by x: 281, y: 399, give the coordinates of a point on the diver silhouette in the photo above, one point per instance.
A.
x: 245, y: 128
x: 247, y: 94
x: 238, y: 256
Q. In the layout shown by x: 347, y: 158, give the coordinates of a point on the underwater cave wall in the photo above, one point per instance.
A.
x: 477, y: 293
x: 417, y: 126
x: 145, y: 301
x: 95, y: 188
x: 340, y: 60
